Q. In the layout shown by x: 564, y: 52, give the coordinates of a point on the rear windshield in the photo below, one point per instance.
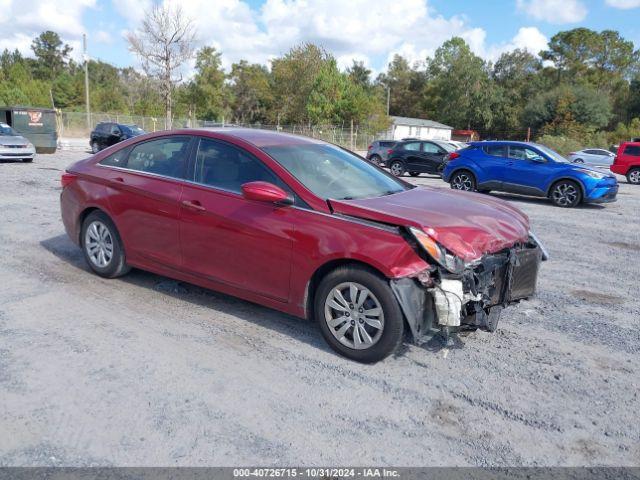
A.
x: 132, y: 129
x: 387, y: 144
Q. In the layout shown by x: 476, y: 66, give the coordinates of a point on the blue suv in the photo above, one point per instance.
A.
x: 529, y: 169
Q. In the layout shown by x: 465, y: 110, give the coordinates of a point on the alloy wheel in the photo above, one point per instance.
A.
x: 98, y: 243
x: 565, y: 194
x: 462, y: 181
x: 634, y: 177
x: 354, y: 315
x: 396, y: 169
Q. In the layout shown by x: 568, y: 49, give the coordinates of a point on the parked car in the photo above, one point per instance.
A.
x: 592, y: 156
x: 418, y: 156
x: 627, y: 161
x: 379, y: 150
x: 304, y: 227
x: 14, y: 146
x: 529, y: 169
x: 458, y: 145
x: 109, y: 133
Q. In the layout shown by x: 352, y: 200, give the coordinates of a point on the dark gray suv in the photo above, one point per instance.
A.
x: 378, y: 151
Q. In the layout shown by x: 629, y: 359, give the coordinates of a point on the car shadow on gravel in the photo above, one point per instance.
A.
x: 303, y: 330
x: 514, y: 197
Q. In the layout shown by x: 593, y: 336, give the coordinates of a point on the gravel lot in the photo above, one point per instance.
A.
x: 144, y: 370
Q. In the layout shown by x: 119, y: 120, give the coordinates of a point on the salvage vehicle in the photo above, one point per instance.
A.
x: 14, y: 146
x: 528, y: 169
x: 418, y: 156
x: 627, y: 161
x: 304, y: 227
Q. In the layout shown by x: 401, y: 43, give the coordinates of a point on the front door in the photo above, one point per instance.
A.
x: 145, y: 188
x: 528, y: 171
x: 432, y: 157
x: 227, y: 238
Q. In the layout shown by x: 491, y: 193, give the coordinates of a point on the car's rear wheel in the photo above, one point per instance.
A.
x: 566, y: 194
x: 463, y: 180
x: 633, y: 176
x: 376, y: 159
x: 578, y: 160
x: 102, y: 246
x: 95, y: 148
x: 414, y: 174
x: 358, y: 314
x: 396, y: 168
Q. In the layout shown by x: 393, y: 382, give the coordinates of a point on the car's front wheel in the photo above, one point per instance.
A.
x: 396, y: 168
x: 95, y: 148
x: 633, y: 176
x: 102, y: 246
x: 566, y: 194
x: 463, y: 180
x: 358, y: 314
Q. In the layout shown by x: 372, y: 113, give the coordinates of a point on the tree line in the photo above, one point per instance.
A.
x: 583, y: 90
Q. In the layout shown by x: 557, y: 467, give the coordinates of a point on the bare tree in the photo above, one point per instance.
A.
x: 164, y: 42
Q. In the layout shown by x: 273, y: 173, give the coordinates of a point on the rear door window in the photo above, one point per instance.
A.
x: 632, y: 150
x: 413, y: 146
x: 165, y: 156
x: 496, y: 150
x: 118, y: 159
x: 429, y: 147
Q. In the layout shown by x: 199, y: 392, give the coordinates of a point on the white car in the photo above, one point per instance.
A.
x: 14, y: 146
x: 458, y: 145
x: 593, y: 156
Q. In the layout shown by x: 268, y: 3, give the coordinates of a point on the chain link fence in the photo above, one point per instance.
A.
x: 80, y: 125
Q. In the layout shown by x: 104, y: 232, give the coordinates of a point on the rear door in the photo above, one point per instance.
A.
x: 412, y: 155
x: 145, y: 185
x: 227, y: 238
x: 493, y: 165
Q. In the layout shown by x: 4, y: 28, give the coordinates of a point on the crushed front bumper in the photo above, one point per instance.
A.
x: 472, y: 299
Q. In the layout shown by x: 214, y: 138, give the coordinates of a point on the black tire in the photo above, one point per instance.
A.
x: 463, y: 180
x: 485, y: 191
x: 376, y: 159
x: 95, y: 147
x: 565, y: 194
x: 392, y: 321
x: 414, y: 174
x: 117, y: 265
x: 578, y: 160
x: 633, y: 176
x: 396, y: 167
x: 27, y: 160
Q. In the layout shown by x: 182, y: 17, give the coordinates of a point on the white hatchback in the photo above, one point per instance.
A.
x: 597, y: 157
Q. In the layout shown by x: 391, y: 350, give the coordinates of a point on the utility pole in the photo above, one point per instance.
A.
x: 388, y: 98
x: 86, y: 79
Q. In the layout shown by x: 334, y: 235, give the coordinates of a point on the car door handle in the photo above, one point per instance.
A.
x: 119, y: 179
x: 193, y: 205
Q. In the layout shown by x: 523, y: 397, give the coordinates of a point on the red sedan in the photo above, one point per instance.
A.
x: 304, y: 227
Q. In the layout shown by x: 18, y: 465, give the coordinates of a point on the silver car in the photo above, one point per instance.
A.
x: 593, y: 156
x: 14, y: 146
x: 378, y: 151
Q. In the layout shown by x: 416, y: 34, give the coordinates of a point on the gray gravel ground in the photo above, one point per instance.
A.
x: 144, y: 370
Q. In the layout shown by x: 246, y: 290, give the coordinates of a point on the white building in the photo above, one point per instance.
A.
x: 405, y: 127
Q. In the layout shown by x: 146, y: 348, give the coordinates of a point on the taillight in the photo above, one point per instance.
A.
x: 369, y: 147
x: 451, y: 156
x: 572, y: 153
x: 67, y: 179
x: 615, y: 159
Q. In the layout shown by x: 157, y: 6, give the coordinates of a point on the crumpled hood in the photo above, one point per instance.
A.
x: 467, y: 224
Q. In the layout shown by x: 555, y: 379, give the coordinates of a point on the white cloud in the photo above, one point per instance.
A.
x: 528, y: 38
x: 132, y: 11
x: 623, y: 4
x: 102, y: 36
x: 21, y: 22
x: 554, y: 11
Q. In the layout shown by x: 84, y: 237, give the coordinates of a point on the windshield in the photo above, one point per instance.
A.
x: 6, y: 130
x: 555, y: 156
x: 331, y: 172
x: 447, y: 146
x: 132, y: 129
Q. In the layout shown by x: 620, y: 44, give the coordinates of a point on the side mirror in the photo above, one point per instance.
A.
x: 266, y: 192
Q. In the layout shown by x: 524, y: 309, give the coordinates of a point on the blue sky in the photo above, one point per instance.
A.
x: 367, y: 30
